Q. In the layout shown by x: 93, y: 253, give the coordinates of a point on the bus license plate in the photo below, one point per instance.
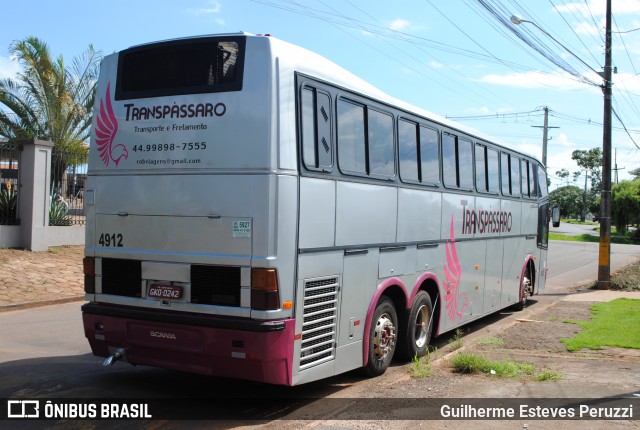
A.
x: 160, y: 291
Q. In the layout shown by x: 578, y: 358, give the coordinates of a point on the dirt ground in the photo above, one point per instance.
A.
x: 544, y: 333
x: 40, y: 277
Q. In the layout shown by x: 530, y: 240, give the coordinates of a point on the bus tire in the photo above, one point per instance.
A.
x: 416, y: 335
x: 526, y: 289
x: 382, y: 338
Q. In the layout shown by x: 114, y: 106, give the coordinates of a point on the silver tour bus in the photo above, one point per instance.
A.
x: 255, y: 211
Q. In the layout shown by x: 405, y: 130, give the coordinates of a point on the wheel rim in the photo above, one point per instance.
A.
x: 526, y: 288
x: 421, y: 326
x: 384, y: 336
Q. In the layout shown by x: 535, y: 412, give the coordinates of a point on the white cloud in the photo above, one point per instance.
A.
x: 483, y: 110
x: 561, y: 139
x: 214, y: 8
x: 8, y: 68
x: 436, y: 64
x: 557, y: 160
x: 535, y: 79
x: 399, y: 24
x: 627, y: 81
x: 588, y: 29
x: 534, y: 149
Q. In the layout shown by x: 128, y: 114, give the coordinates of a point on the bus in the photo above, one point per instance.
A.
x: 255, y: 211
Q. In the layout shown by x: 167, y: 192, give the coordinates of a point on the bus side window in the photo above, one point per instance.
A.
x: 524, y: 170
x: 457, y: 162
x: 351, y: 137
x: 465, y: 164
x: 317, y: 148
x: 408, y: 142
x: 533, y: 181
x: 449, y: 168
x: 482, y: 183
x: 505, y: 169
x: 419, y: 160
x: 515, y: 177
x: 493, y: 170
x: 429, y: 161
x: 380, y: 137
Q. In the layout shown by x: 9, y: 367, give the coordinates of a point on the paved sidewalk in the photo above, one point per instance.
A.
x: 30, y: 279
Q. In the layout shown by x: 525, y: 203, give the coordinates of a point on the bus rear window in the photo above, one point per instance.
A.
x: 181, y: 67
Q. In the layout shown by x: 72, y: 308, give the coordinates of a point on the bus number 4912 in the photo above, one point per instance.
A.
x: 111, y: 240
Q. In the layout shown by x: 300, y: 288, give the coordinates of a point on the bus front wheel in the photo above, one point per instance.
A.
x: 382, y: 338
x: 526, y: 290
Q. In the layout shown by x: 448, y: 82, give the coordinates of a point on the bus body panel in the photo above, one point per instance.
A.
x: 241, y: 354
x: 417, y: 219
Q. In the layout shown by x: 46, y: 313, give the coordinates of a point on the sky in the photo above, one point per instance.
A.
x: 453, y: 58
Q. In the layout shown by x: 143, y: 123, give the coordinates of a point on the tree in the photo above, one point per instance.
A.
x: 49, y: 100
x: 568, y: 199
x: 625, y: 204
x: 563, y: 174
x: 635, y: 172
x: 590, y: 160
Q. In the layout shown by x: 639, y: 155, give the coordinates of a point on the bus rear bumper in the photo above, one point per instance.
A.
x: 242, y: 349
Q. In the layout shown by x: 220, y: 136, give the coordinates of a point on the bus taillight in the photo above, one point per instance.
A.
x: 89, y: 269
x: 264, y: 289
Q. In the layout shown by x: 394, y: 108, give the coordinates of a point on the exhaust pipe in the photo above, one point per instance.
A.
x: 117, y: 355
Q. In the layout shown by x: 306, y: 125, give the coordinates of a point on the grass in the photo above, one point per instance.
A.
x: 421, y: 367
x: 466, y: 362
x: 455, y: 342
x: 624, y: 240
x: 613, y: 324
x: 547, y: 375
x: 575, y: 221
x: 490, y: 341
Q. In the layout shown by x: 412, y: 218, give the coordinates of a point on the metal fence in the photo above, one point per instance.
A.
x: 68, y: 177
x: 9, y: 186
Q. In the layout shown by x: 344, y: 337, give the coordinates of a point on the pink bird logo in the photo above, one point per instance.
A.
x: 106, y: 129
x: 456, y: 302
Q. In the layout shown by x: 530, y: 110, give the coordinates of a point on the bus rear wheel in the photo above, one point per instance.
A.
x: 417, y: 334
x: 382, y: 338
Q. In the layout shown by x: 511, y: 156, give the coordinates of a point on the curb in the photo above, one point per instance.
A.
x: 39, y: 304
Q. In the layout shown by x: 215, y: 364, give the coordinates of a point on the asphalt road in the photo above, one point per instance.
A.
x: 43, y: 352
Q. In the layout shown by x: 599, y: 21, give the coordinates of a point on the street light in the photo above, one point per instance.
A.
x: 516, y: 20
x: 604, y: 256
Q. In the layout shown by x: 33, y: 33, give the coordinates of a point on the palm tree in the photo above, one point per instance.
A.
x: 49, y: 100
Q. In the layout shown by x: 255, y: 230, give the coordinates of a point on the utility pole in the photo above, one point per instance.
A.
x: 604, y: 255
x: 616, y: 164
x: 545, y: 133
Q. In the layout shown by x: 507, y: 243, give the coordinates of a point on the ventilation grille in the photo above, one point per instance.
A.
x: 121, y: 277
x: 215, y: 285
x: 320, y: 318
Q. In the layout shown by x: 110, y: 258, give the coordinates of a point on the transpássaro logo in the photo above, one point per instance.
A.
x: 106, y: 129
